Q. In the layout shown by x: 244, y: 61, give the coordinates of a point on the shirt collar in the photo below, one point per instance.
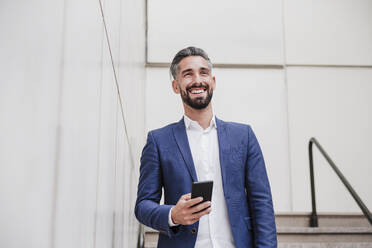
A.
x: 191, y: 123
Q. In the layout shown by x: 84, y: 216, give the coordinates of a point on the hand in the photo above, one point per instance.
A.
x: 185, y: 213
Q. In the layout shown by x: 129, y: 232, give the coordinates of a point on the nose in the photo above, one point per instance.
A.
x: 198, y: 78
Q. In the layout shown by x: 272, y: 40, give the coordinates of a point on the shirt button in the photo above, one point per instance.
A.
x: 193, y: 230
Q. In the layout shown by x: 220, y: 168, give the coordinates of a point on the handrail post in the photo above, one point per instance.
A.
x: 314, y: 216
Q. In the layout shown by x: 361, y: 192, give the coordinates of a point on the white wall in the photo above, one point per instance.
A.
x: 66, y: 179
x: 306, y: 41
x: 334, y: 105
x: 330, y: 103
x: 331, y: 32
x: 29, y: 96
x: 236, y: 32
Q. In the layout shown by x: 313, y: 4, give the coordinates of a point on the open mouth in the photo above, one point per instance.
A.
x: 197, y: 90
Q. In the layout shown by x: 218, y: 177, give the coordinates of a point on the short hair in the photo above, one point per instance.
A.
x: 186, y: 52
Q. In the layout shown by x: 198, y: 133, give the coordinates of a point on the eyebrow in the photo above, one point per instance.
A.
x: 187, y: 70
x: 201, y: 69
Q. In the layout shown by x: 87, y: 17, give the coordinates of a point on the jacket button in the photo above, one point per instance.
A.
x: 193, y: 230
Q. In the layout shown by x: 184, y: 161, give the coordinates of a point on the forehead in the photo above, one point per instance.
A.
x: 192, y: 62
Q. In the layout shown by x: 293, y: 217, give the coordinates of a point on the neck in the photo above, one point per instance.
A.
x: 202, y: 116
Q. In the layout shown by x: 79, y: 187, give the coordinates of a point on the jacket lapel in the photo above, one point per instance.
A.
x: 180, y: 135
x: 223, y: 147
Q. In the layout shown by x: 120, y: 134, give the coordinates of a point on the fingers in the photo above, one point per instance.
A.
x: 193, y: 201
x: 197, y: 216
x: 200, y: 207
x: 190, y: 202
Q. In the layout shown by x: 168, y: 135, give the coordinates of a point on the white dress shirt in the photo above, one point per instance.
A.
x: 214, y: 228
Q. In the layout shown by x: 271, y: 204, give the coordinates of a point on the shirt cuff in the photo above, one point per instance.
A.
x: 170, y: 222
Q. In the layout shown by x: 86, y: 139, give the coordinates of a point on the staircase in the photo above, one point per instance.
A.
x: 334, y: 231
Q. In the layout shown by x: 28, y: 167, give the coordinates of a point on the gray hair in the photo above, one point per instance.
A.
x: 186, y: 52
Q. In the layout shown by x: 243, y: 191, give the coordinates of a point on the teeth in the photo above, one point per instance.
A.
x: 197, y: 91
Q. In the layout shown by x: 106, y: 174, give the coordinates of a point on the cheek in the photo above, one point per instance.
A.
x: 184, y: 84
x: 181, y: 90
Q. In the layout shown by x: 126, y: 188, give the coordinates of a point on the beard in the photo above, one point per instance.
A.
x: 198, y: 102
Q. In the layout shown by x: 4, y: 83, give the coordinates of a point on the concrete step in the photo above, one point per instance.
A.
x: 324, y: 245
x: 332, y: 237
x: 324, y: 220
x: 288, y: 235
x: 334, y: 231
x: 151, y: 238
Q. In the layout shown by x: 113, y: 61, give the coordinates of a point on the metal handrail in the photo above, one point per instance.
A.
x: 141, y: 237
x: 314, y: 216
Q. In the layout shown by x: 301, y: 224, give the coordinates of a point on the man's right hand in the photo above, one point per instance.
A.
x: 185, y: 213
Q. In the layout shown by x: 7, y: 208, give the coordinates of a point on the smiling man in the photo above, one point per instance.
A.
x: 202, y: 147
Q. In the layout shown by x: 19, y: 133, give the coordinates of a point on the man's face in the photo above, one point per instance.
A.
x: 194, y: 82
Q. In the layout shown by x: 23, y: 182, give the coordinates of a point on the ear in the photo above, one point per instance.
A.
x: 213, y: 82
x: 176, y: 88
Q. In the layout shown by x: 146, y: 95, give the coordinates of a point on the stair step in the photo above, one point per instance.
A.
x: 320, y: 245
x: 305, y: 245
x: 324, y: 230
x: 324, y: 219
x: 334, y: 231
x: 306, y: 234
x: 307, y: 230
x: 325, y: 235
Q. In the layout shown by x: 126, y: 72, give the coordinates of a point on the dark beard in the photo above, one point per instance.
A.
x: 199, y: 102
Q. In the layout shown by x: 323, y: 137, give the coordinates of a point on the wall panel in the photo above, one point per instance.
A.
x: 30, y: 57
x: 131, y: 76
x: 238, y: 32
x: 336, y: 32
x: 333, y: 105
x: 67, y: 179
x: 75, y: 222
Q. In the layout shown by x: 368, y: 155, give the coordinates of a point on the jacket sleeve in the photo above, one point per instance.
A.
x: 259, y: 196
x: 148, y: 211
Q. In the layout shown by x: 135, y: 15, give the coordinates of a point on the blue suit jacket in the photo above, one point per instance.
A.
x: 167, y: 163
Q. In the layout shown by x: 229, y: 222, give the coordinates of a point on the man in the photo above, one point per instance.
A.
x: 201, y: 147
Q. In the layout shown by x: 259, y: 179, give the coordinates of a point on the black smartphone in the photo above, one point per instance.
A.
x: 203, y: 189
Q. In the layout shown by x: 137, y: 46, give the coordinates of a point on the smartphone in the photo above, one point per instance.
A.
x: 203, y: 189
